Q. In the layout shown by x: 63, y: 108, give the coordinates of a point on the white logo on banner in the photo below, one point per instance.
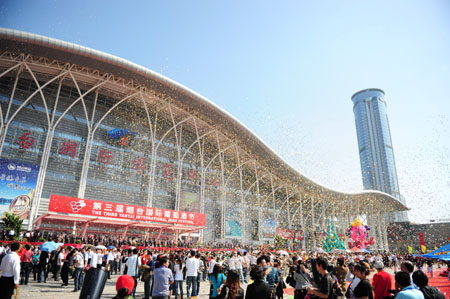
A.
x: 12, y: 166
x: 77, y: 205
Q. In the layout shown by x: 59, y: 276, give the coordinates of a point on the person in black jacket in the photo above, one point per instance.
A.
x: 259, y: 289
x: 420, y: 279
x: 65, y: 270
x: 43, y: 266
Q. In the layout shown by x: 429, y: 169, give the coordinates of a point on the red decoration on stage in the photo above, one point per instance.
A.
x: 71, y: 205
x: 26, y: 141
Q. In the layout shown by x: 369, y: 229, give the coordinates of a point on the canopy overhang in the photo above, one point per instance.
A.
x: 86, y: 224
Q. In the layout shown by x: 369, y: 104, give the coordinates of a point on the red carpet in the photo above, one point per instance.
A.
x: 440, y: 282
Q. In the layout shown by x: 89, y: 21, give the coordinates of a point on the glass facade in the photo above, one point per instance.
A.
x: 169, y: 159
x: 375, y: 145
x: 97, y: 134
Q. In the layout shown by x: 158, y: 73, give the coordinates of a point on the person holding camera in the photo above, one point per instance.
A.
x: 302, y: 280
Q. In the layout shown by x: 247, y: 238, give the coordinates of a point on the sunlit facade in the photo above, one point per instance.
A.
x: 176, y: 150
x: 375, y: 145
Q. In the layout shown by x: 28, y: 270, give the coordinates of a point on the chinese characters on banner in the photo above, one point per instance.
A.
x: 138, y: 165
x: 71, y: 205
x: 105, y: 156
x: 26, y: 140
x: 167, y: 172
x: 69, y: 149
x: 17, y: 186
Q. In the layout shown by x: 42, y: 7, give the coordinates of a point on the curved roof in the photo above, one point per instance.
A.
x: 18, y: 42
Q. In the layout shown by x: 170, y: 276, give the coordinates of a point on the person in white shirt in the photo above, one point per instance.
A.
x: 212, y: 263
x: 240, y: 267
x: 192, y: 266
x: 11, y: 235
x: 96, y: 260
x: 408, y: 267
x: 245, y: 266
x: 235, y: 264
x: 110, y: 263
x: 232, y: 262
x: 133, y: 265
x: 179, y: 266
x: 78, y: 262
x: 352, y: 279
x: 59, y: 263
x: 117, y: 257
x: 87, y: 255
x: 91, y: 254
x: 10, y: 268
x: 252, y: 260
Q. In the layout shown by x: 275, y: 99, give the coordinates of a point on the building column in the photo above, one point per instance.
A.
x: 379, y: 230
x: 384, y: 234
x: 313, y: 223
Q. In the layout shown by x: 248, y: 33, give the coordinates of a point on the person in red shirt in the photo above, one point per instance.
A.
x: 381, y: 282
x: 26, y: 265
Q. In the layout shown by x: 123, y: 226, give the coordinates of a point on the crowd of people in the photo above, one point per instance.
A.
x: 95, y: 239
x: 230, y: 273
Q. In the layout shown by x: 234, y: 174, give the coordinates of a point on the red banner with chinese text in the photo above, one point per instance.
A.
x: 289, y: 234
x: 72, y: 205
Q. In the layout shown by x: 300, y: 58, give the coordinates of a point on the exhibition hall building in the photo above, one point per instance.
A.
x: 92, y: 143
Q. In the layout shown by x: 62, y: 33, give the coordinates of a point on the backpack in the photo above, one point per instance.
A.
x: 432, y: 293
x: 290, y: 280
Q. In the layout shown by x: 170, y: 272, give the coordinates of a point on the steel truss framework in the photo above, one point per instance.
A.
x: 261, y: 192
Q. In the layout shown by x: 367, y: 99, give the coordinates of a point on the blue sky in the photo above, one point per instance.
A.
x: 287, y: 70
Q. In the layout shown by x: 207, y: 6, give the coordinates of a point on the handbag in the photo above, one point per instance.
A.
x: 88, y: 266
x: 145, y: 275
x: 290, y: 280
x: 280, y: 287
x: 223, y: 293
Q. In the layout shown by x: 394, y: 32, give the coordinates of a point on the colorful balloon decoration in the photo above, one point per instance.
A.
x: 332, y: 241
x: 358, y: 233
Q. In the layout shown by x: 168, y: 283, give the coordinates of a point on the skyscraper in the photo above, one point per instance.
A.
x: 375, y: 145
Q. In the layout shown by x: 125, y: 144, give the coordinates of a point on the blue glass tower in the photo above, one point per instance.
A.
x: 375, y: 145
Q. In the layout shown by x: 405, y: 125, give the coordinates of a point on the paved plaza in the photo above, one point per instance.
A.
x: 52, y: 289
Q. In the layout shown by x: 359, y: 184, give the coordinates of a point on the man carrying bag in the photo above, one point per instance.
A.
x: 147, y: 275
x: 133, y: 265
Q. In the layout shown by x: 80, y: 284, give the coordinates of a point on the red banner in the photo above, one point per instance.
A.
x: 72, y: 205
x: 289, y: 234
